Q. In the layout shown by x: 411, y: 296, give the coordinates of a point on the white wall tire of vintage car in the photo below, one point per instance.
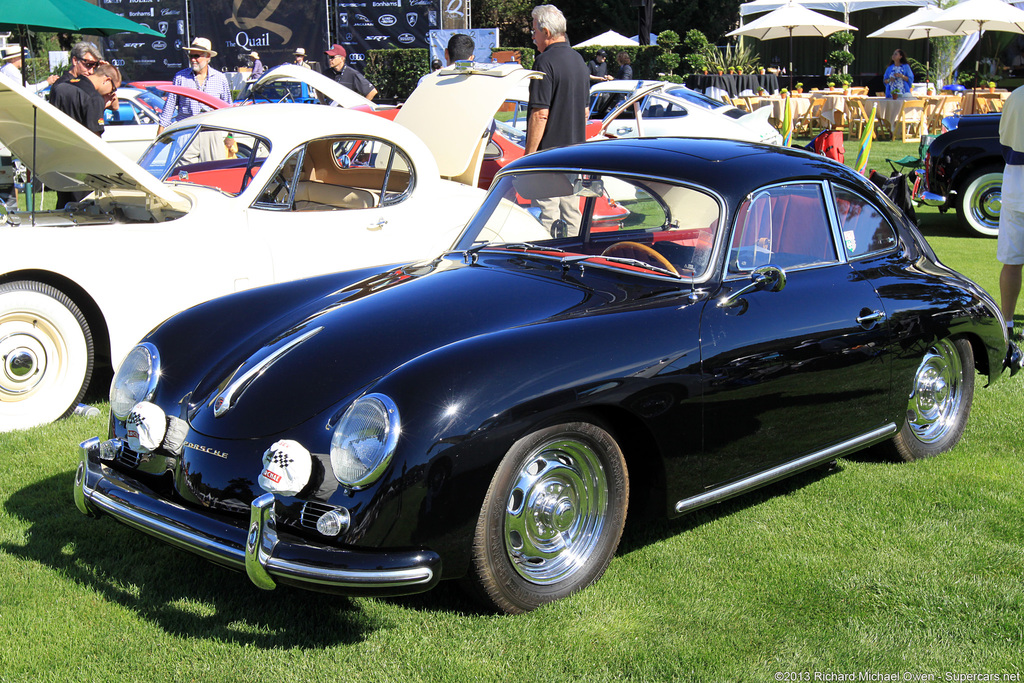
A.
x: 46, y: 350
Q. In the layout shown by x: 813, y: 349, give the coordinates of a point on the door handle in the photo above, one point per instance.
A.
x: 867, y: 319
x: 379, y: 225
x: 623, y: 131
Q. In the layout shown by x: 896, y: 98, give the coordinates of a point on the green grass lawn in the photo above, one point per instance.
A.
x: 913, y: 569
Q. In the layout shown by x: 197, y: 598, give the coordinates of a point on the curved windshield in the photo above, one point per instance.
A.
x: 611, y: 218
x: 219, y: 158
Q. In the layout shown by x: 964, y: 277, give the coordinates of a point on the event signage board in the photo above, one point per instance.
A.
x: 144, y: 57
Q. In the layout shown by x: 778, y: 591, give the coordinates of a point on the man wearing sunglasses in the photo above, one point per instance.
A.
x: 84, y: 98
x: 85, y: 57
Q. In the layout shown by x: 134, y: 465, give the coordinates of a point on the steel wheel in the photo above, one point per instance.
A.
x: 940, y: 401
x: 980, y: 202
x: 552, y: 517
x: 46, y: 354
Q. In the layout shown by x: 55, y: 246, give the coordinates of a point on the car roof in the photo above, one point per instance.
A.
x: 730, y: 167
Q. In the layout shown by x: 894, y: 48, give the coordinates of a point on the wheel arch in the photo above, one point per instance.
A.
x: 81, y: 298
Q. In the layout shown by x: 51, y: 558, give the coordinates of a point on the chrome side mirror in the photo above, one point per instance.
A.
x: 768, y: 278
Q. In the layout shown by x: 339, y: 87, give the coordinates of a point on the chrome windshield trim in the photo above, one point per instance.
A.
x: 225, y: 400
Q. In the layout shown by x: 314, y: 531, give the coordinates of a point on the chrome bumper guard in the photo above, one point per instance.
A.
x: 931, y: 199
x: 1014, y: 359
x: 258, y: 551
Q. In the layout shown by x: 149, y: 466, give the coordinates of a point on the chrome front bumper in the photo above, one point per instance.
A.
x: 257, y: 550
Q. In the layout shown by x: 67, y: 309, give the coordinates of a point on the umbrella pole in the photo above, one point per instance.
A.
x: 790, y: 60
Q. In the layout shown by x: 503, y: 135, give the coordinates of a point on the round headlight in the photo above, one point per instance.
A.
x: 135, y: 380
x: 364, y: 440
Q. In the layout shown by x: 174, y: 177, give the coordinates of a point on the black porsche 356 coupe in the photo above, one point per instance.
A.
x: 493, y: 413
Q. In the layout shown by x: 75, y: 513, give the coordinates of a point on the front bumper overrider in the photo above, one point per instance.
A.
x: 258, y: 550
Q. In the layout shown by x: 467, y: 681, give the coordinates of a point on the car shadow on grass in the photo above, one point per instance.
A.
x: 180, y: 592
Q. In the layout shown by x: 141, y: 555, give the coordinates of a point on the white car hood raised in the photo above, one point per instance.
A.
x: 66, y: 156
x: 338, y: 94
x: 451, y: 110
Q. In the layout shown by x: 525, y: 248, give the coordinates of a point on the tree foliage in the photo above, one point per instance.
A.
x: 588, y: 18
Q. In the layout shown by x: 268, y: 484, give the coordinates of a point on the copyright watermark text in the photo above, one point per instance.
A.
x: 857, y: 676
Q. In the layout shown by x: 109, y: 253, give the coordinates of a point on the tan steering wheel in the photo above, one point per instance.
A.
x: 640, y: 252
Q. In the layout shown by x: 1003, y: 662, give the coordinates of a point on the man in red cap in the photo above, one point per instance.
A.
x: 346, y: 75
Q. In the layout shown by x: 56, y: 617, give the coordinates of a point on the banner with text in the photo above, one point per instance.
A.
x: 144, y: 58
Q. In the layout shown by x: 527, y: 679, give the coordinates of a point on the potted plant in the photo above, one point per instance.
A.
x: 831, y: 86
x: 760, y: 70
x: 799, y: 88
x: 930, y: 89
x: 762, y: 92
x: 991, y: 86
x: 784, y: 92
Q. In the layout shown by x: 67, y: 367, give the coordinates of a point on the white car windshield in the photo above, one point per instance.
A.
x: 218, y: 158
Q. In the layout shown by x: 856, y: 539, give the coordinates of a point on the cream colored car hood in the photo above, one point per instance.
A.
x: 451, y: 110
x: 66, y: 156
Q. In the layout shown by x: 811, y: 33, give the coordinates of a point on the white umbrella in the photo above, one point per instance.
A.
x: 608, y: 38
x: 974, y: 16
x: 913, y: 27
x: 790, y: 20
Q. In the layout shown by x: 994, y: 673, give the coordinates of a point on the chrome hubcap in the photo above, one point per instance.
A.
x: 935, y: 399
x: 24, y: 363
x: 555, y: 511
x: 987, y: 202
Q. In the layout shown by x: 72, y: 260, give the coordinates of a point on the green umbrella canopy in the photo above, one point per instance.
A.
x: 66, y: 15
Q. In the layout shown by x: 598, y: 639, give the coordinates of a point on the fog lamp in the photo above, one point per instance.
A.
x: 334, y: 522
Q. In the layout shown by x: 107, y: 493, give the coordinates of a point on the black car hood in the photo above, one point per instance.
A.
x: 301, y: 366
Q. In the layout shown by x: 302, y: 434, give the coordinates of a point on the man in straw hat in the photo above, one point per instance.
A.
x: 299, y: 59
x: 255, y: 63
x: 12, y: 60
x: 199, y: 75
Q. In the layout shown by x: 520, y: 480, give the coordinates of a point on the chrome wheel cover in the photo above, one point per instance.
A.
x: 555, y: 511
x: 937, y: 393
x: 985, y: 202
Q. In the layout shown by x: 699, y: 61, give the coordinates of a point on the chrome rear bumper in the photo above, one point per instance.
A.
x: 257, y: 550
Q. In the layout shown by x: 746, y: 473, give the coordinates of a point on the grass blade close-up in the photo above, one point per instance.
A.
x: 870, y: 568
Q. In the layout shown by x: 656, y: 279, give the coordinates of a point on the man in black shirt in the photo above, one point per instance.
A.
x: 85, y: 57
x: 558, y: 107
x: 599, y: 67
x: 84, y: 99
x: 346, y: 75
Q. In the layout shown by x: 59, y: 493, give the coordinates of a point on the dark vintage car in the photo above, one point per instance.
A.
x: 964, y: 170
x: 492, y: 414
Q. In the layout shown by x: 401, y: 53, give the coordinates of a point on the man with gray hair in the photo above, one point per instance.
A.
x: 558, y: 107
x: 85, y: 57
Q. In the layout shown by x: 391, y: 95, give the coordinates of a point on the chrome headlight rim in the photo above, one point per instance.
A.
x: 386, y: 450
x: 149, y: 388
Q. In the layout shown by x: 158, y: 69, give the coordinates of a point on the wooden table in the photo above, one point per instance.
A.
x: 984, y: 102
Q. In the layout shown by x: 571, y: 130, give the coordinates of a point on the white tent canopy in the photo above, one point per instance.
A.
x: 905, y: 28
x: 608, y: 38
x: 829, y: 5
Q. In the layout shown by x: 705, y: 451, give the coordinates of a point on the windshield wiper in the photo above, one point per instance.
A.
x: 629, y: 262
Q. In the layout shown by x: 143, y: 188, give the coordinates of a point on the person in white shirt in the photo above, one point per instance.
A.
x: 12, y: 59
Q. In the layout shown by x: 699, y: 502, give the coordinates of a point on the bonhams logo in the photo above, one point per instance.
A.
x: 151, y: 12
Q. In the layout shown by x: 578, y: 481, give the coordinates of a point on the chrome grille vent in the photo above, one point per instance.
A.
x: 129, y: 457
x: 313, y: 511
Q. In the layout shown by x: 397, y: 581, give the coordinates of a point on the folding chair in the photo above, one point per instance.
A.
x: 804, y: 125
x: 910, y: 162
x: 912, y: 118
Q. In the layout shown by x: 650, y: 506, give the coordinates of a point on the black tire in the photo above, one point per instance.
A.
x: 940, y: 401
x: 46, y: 354
x: 978, y: 201
x: 560, y: 488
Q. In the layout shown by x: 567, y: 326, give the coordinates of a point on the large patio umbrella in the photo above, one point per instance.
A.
x: 790, y: 20
x: 910, y: 28
x: 66, y: 15
x: 974, y: 16
x: 608, y: 38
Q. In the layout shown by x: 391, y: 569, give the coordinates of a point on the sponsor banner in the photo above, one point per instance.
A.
x: 365, y: 25
x: 147, y: 58
x: 483, y: 40
x: 272, y: 28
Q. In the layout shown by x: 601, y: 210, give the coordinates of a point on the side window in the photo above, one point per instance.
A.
x: 341, y: 173
x: 865, y: 230
x: 661, y: 108
x: 786, y: 226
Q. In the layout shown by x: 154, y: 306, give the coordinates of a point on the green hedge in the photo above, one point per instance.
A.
x: 395, y: 72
